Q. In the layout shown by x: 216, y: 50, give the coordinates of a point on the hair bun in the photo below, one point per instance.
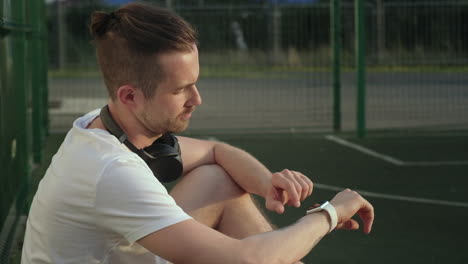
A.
x: 101, y: 22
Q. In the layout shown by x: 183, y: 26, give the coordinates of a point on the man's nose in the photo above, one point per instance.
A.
x: 195, y: 98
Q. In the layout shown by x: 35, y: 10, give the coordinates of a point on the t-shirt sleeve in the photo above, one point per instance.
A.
x: 132, y: 202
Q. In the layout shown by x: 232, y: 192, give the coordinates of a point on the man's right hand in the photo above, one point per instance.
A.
x: 347, y: 203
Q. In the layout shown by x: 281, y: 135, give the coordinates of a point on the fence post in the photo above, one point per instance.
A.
x: 380, y: 30
x: 21, y: 80
x: 335, y: 21
x: 361, y: 68
x: 16, y: 168
x: 276, y: 29
x: 38, y: 67
x: 62, y: 38
x: 44, y: 68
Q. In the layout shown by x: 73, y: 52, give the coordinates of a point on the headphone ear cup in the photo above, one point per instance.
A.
x: 161, y: 150
x: 162, y: 157
x: 167, y: 168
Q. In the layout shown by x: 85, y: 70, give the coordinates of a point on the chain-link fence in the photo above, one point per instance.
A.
x: 418, y: 64
x: 268, y: 66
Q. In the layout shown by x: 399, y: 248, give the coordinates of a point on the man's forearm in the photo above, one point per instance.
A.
x: 289, y: 244
x: 246, y: 171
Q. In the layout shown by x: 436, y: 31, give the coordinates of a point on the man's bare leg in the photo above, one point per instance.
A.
x: 210, y: 196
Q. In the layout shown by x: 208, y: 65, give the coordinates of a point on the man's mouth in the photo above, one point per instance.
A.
x: 187, y: 114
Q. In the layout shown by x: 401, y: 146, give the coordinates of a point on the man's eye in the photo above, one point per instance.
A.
x: 178, y: 90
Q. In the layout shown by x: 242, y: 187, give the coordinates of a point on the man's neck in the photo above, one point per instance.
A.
x: 137, y: 139
x: 96, y: 123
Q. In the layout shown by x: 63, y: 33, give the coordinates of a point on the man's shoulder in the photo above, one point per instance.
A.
x: 90, y: 152
x: 93, y: 141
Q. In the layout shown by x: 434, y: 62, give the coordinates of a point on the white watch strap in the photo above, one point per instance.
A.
x: 327, y: 207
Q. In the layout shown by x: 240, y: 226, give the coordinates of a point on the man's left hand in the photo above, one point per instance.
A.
x: 287, y: 187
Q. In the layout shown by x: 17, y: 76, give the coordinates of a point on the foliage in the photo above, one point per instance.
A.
x: 419, y: 31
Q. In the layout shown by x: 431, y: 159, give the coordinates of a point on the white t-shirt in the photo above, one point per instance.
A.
x: 96, y: 199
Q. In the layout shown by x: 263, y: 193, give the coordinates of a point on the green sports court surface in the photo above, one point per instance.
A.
x: 417, y: 183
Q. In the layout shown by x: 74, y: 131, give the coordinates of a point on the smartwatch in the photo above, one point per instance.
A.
x: 327, y: 207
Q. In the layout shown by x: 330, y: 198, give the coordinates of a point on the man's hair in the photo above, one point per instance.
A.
x: 129, y: 39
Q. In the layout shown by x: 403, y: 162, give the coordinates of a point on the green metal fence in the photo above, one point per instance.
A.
x: 269, y: 67
x: 23, y: 107
x: 431, y: 48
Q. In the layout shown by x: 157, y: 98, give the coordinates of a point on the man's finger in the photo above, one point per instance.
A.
x: 275, y: 205
x: 284, y: 197
x: 310, y: 183
x: 293, y: 178
x: 285, y: 184
x: 305, y: 186
x: 366, y: 213
x: 351, y: 224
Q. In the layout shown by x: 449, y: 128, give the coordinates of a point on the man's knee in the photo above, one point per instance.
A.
x: 205, y: 192
x: 206, y: 185
x: 212, y: 179
x: 223, y: 186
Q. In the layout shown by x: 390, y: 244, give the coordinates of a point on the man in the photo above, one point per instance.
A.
x: 100, y: 202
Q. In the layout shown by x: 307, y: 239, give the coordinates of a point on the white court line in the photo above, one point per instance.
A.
x: 390, y: 159
x: 393, y: 197
x: 435, y: 163
x: 365, y: 150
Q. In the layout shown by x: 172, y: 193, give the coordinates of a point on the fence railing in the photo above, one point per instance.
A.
x: 271, y: 65
x: 23, y: 107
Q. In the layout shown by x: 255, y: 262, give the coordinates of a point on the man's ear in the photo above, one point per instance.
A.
x: 128, y: 95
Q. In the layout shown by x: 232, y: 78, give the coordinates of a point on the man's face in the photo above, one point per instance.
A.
x: 176, y: 96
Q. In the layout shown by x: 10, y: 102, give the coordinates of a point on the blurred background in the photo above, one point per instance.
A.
x: 363, y: 70
x: 269, y: 64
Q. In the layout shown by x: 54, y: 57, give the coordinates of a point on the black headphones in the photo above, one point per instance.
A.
x: 163, y: 156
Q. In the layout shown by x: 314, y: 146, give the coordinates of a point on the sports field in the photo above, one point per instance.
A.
x: 421, y: 205
x: 417, y: 182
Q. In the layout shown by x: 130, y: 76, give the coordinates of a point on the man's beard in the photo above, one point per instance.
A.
x: 175, y: 125
x: 178, y: 124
